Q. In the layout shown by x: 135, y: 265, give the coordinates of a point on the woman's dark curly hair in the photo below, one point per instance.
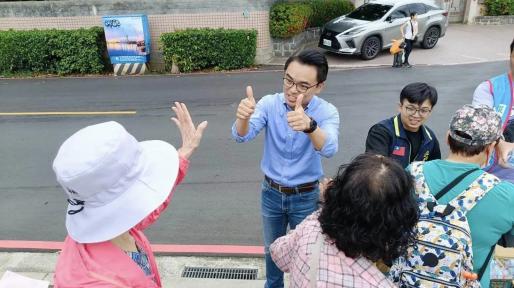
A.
x: 370, y: 209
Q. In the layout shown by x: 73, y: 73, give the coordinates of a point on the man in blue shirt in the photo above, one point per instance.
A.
x: 300, y: 129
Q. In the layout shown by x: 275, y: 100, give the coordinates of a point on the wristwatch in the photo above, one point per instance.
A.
x: 312, y: 126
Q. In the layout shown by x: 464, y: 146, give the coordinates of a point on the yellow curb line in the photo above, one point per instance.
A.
x: 78, y: 113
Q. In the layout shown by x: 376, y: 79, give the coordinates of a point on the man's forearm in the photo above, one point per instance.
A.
x: 242, y: 127
x: 318, y: 138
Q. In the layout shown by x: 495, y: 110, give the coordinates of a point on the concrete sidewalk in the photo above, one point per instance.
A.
x: 462, y: 44
x: 40, y: 265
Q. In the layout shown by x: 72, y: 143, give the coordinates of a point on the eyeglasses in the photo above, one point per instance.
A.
x: 422, y: 112
x: 302, y: 88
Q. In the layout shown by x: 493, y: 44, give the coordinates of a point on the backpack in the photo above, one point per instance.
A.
x: 442, y: 250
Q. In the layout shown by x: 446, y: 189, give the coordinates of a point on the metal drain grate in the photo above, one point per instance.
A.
x: 220, y: 273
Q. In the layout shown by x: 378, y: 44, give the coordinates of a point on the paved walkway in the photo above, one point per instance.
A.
x: 40, y: 265
x: 462, y: 44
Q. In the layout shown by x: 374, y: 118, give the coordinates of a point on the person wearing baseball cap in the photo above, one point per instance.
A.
x: 473, y: 135
x: 116, y: 187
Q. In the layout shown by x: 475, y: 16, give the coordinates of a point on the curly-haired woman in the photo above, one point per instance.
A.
x: 368, y: 215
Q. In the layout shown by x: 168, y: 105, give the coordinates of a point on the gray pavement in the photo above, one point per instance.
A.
x: 219, y: 201
x: 462, y: 44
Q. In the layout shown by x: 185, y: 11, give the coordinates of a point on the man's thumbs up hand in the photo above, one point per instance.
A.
x: 246, y: 106
x: 299, y: 101
x: 249, y: 94
x: 297, y: 119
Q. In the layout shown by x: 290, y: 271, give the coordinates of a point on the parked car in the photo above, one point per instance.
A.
x: 371, y: 27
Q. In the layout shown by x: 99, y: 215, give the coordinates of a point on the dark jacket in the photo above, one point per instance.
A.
x: 389, y: 138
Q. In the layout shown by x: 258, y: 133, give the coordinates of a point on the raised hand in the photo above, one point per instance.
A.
x: 504, y: 150
x: 246, y: 106
x: 297, y: 119
x: 323, y: 186
x: 190, y: 134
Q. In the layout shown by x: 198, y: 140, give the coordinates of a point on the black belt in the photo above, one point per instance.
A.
x: 305, y: 187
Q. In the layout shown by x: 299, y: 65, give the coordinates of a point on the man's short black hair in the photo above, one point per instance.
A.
x: 369, y: 209
x: 463, y: 149
x: 418, y: 92
x: 412, y: 14
x: 313, y: 58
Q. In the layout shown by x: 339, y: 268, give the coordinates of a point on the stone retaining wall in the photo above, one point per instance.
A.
x: 288, y: 47
x: 494, y: 20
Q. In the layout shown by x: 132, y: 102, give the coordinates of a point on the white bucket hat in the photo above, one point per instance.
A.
x: 112, y: 181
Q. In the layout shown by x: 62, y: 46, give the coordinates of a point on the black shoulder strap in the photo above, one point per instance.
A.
x: 411, y: 28
x: 448, y: 188
x: 456, y: 181
x: 484, y: 266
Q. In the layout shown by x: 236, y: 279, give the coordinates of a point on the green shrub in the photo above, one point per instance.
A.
x: 288, y: 19
x: 326, y: 10
x: 499, y: 7
x: 24, y: 51
x: 53, y: 51
x: 221, y: 49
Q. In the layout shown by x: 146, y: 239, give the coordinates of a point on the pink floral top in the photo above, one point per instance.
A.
x: 292, y: 252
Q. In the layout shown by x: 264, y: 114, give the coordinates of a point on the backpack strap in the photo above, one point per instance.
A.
x: 416, y: 170
x: 425, y: 199
x: 445, y: 210
x: 314, y: 261
x: 469, y: 198
x: 452, y: 184
x: 484, y: 266
x: 474, y: 193
x: 420, y: 185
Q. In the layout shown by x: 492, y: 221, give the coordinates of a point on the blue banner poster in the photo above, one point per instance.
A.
x: 128, y: 38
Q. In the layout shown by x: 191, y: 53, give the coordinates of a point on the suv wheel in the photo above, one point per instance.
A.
x: 371, y: 47
x: 431, y: 37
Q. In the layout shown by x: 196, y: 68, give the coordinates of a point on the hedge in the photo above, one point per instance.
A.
x: 219, y: 49
x: 326, y: 10
x: 53, y: 51
x: 499, y: 7
x: 288, y: 18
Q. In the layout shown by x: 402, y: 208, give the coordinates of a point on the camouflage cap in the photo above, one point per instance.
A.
x: 478, y: 125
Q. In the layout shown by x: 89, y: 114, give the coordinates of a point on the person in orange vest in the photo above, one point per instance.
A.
x: 397, y: 51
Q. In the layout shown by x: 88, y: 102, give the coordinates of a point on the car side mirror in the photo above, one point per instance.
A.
x: 389, y: 19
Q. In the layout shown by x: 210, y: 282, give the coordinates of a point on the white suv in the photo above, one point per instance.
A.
x: 371, y: 27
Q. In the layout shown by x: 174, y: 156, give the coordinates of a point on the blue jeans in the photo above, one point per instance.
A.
x: 278, y: 210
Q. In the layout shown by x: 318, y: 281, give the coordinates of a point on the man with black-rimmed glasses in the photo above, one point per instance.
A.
x: 300, y: 128
x: 404, y: 137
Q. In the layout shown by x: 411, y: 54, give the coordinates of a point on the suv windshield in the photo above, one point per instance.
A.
x: 369, y: 12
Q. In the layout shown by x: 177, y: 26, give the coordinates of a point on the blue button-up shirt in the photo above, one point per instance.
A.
x: 289, y: 157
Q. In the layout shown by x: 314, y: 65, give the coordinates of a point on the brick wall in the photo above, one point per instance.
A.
x: 65, y: 8
x: 173, y: 15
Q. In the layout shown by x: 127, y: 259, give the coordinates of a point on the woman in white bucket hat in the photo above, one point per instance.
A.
x: 117, y: 187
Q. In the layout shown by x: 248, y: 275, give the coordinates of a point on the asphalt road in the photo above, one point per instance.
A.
x: 219, y: 201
